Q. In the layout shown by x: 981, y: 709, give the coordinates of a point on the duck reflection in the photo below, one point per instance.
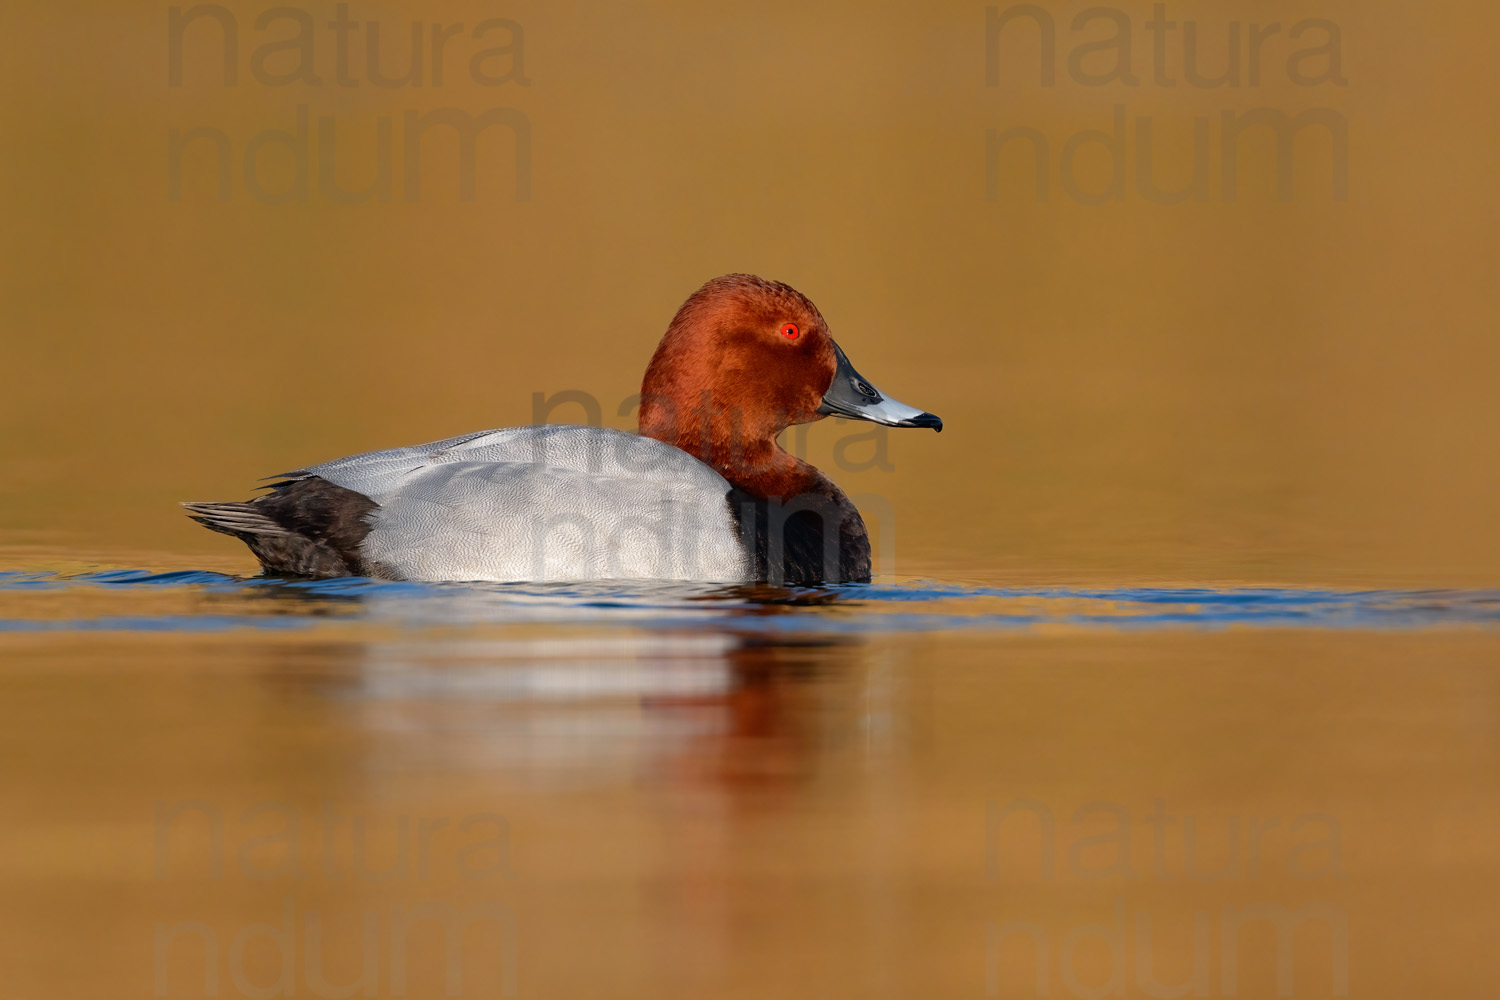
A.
x: 692, y: 743
x: 695, y: 707
x: 651, y: 751
x: 670, y: 679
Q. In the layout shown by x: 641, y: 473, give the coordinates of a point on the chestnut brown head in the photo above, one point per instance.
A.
x: 746, y: 358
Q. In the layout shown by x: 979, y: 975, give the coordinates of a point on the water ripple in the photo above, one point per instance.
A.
x: 209, y: 602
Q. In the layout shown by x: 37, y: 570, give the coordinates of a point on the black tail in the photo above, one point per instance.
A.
x: 304, y: 527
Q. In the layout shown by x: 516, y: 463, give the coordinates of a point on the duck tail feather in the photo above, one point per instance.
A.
x: 233, y: 518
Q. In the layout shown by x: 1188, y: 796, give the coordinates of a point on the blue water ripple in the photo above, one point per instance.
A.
x: 225, y: 602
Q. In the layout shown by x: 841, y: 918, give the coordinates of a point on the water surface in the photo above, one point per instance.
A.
x: 212, y: 601
x: 670, y: 790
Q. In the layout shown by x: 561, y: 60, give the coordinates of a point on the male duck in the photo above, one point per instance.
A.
x: 703, y: 493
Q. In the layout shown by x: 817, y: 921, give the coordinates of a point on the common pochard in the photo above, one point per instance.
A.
x: 702, y: 493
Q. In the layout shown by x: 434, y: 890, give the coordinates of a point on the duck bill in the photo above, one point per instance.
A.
x: 851, y: 395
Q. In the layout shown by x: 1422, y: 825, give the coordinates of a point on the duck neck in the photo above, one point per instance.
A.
x: 749, y: 458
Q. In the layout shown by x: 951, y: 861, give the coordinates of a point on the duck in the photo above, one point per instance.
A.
x: 702, y: 493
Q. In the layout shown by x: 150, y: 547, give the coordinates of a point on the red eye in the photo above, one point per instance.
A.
x: 789, y: 331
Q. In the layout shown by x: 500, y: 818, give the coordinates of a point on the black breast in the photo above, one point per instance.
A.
x: 809, y: 539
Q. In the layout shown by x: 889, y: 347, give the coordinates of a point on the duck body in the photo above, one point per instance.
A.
x: 538, y: 503
x: 546, y: 504
x: 702, y: 494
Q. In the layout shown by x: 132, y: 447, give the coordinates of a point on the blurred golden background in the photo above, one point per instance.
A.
x: 1257, y: 390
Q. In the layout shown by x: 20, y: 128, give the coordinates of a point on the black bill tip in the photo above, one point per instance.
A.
x: 924, y: 420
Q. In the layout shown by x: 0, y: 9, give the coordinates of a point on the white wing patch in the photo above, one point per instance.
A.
x: 543, y: 504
